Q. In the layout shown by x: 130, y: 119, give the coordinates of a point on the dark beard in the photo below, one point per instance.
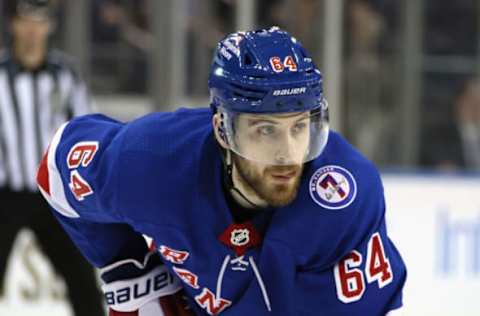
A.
x: 276, y: 195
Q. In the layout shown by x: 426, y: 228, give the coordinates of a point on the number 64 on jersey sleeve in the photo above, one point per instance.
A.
x: 350, y: 279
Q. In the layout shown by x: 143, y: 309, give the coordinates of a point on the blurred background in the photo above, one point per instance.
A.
x: 395, y: 71
x: 403, y: 82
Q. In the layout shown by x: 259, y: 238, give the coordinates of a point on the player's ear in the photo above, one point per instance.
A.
x: 219, y: 130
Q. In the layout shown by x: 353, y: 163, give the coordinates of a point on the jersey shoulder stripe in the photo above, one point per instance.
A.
x: 49, y: 179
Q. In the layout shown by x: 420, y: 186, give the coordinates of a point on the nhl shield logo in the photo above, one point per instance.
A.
x: 333, y: 187
x: 240, y: 237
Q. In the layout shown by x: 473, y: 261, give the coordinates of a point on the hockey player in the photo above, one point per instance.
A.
x: 258, y: 209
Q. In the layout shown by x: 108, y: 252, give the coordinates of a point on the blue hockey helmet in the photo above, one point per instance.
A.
x: 267, y: 72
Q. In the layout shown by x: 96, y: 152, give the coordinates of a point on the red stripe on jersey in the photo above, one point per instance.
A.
x: 42, y: 174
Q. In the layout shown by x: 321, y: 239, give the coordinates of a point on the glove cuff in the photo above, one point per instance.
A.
x: 130, y: 284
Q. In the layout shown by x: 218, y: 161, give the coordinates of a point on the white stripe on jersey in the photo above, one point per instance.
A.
x: 25, y: 98
x: 9, y: 131
x: 57, y: 197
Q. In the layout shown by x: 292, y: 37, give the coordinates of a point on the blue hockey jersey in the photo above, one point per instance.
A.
x: 327, y: 253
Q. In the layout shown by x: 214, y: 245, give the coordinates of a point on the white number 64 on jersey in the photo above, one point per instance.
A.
x: 350, y: 280
x: 81, y: 154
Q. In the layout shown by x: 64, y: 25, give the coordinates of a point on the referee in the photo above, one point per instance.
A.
x: 39, y: 90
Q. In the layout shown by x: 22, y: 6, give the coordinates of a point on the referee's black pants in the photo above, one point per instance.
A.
x: 30, y: 210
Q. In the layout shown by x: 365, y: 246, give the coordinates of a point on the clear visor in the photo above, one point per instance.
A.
x: 277, y: 139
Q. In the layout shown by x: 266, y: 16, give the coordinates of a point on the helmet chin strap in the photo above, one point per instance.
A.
x: 228, y: 179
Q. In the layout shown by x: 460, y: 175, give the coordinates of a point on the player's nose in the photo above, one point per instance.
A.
x: 286, y: 152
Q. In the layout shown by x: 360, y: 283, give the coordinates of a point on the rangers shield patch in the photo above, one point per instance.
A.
x: 333, y: 187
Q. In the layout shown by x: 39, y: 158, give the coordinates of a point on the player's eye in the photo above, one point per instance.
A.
x: 266, y: 130
x: 299, y: 128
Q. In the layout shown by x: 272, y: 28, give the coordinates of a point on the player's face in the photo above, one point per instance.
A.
x: 282, y: 139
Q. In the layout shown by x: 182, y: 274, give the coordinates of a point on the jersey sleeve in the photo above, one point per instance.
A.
x: 78, y: 176
x: 367, y: 281
x: 367, y: 275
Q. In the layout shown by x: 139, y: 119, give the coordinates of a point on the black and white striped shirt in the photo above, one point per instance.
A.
x: 32, y: 105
